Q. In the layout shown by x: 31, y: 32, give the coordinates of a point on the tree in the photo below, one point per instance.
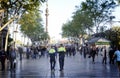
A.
x: 78, y: 26
x: 31, y: 25
x: 16, y: 8
x: 99, y: 10
x: 118, y: 1
x: 114, y: 35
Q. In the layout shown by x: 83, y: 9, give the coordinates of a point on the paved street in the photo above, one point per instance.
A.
x: 75, y: 67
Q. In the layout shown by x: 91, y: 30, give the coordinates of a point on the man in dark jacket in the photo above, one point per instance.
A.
x: 111, y: 53
x: 2, y: 58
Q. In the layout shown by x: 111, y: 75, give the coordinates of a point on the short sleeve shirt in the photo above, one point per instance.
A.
x: 117, y: 53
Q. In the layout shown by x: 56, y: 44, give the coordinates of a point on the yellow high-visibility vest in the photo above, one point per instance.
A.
x: 61, y: 49
x: 51, y: 51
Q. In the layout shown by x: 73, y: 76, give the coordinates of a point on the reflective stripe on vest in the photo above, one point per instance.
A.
x: 51, y: 51
x: 61, y: 49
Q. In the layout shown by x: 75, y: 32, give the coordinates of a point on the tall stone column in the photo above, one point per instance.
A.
x: 46, y: 14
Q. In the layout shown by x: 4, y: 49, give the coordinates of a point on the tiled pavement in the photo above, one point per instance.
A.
x: 75, y: 67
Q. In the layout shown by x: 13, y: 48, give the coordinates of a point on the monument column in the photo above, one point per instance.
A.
x: 46, y: 14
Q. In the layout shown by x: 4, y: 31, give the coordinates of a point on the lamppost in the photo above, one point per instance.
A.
x: 15, y: 34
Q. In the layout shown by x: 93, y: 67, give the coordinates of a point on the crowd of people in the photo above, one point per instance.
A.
x: 109, y: 55
x: 106, y: 53
x: 34, y: 52
x: 10, y: 55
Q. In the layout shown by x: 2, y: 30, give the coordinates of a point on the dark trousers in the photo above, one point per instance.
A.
x: 84, y: 55
x: 104, y: 60
x: 111, y: 60
x: 61, y: 63
x: 93, y: 58
x: 12, y: 64
x: 3, y: 64
x: 20, y: 56
x: 52, y: 61
x: 61, y: 60
x: 52, y: 64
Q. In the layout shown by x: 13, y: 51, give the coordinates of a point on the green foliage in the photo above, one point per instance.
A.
x: 32, y: 27
x: 99, y: 10
x: 28, y: 13
x: 18, y: 7
x: 28, y: 21
x: 118, y: 1
x: 115, y: 35
x: 91, y: 13
x: 68, y: 30
x: 78, y: 25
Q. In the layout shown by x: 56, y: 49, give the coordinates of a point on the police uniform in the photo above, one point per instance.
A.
x: 52, y: 58
x: 61, y: 51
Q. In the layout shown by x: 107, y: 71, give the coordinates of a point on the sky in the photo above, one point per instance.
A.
x: 60, y: 11
x: 117, y: 14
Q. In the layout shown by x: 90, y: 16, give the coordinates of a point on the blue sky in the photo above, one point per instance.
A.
x: 60, y: 11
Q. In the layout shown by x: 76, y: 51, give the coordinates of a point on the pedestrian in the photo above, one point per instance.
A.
x: 20, y: 50
x: 117, y: 56
x: 12, y: 58
x: 85, y: 50
x: 93, y: 53
x: 61, y: 51
x: 111, y: 53
x: 28, y: 53
x: 104, y: 55
x: 2, y: 58
x: 52, y: 58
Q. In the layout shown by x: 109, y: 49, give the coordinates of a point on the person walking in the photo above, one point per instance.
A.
x: 117, y: 56
x: 111, y: 53
x: 12, y: 58
x: 104, y: 55
x: 20, y: 50
x: 85, y: 50
x: 61, y: 51
x: 52, y: 58
x: 93, y: 53
x: 2, y: 58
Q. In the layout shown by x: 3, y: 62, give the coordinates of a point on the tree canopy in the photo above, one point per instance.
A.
x: 88, y: 15
x: 99, y: 10
x: 28, y: 14
x: 31, y: 25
